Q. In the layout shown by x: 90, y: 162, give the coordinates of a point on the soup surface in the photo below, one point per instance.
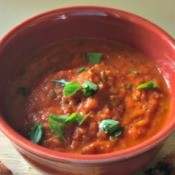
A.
x: 90, y: 96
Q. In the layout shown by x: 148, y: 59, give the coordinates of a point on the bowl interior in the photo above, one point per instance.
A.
x: 102, y: 23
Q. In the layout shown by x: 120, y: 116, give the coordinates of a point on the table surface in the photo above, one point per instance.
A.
x: 12, y: 12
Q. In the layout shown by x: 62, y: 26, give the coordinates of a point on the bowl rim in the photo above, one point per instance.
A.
x: 21, y: 142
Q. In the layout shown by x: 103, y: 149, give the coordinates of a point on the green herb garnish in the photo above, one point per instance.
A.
x: 57, y: 123
x: 94, y: 58
x: 57, y: 128
x: 61, y: 82
x: 133, y: 71
x: 76, y: 118
x: 81, y: 69
x: 36, y: 133
x: 148, y: 85
x: 111, y: 127
x: 71, y: 88
x: 23, y: 91
x: 118, y: 132
x: 58, y: 118
x: 89, y: 88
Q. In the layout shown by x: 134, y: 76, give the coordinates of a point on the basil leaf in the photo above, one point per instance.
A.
x: 58, y: 118
x: 118, y: 133
x: 89, y: 88
x: 110, y: 126
x: 57, y: 128
x: 81, y: 69
x: 71, y: 88
x: 57, y: 123
x: 148, y: 85
x: 94, y: 58
x: 77, y: 118
x: 61, y: 82
x: 36, y: 133
x: 23, y: 91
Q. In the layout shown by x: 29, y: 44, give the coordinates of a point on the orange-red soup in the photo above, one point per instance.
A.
x: 141, y: 112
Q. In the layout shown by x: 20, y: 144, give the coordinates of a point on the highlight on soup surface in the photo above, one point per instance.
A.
x: 90, y: 96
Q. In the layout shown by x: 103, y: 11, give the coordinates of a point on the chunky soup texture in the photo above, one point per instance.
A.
x: 95, y: 96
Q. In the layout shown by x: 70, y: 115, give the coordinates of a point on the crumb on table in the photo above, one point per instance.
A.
x: 166, y: 166
x: 4, y: 170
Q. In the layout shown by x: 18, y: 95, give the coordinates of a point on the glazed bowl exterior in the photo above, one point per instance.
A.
x: 85, y: 22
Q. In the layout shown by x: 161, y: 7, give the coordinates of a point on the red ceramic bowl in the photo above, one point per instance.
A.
x: 85, y: 22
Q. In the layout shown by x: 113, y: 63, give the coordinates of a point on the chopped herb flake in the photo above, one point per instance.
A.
x: 56, y: 127
x: 118, y: 132
x: 94, y: 58
x: 58, y: 118
x: 133, y: 71
x: 57, y: 123
x: 111, y: 127
x: 77, y: 118
x: 82, y: 69
x: 61, y: 82
x: 148, y: 85
x: 71, y: 89
x: 23, y: 91
x: 89, y: 88
x: 36, y: 133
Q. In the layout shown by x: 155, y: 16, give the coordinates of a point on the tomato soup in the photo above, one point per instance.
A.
x: 91, y: 96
